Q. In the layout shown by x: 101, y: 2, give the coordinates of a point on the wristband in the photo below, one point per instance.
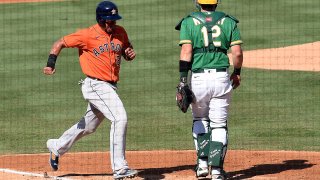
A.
x: 184, y: 67
x: 237, y: 71
x: 52, y: 61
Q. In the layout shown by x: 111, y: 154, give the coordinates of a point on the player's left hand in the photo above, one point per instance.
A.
x: 235, y: 79
x: 184, y: 96
x: 48, y: 71
x: 130, y: 54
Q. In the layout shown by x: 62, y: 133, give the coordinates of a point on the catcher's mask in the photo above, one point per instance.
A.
x: 107, y: 11
x: 212, y: 2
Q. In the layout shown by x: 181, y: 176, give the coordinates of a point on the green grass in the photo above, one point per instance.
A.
x: 271, y: 110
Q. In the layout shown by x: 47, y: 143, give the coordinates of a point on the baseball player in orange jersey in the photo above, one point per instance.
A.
x: 100, y: 49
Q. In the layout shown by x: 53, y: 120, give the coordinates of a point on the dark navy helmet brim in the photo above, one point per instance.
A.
x: 111, y: 18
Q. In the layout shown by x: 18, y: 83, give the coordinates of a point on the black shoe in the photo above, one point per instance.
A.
x: 54, y: 161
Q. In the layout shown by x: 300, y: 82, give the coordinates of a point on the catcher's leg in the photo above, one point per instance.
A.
x: 217, y: 150
x: 219, y: 133
x: 201, y: 135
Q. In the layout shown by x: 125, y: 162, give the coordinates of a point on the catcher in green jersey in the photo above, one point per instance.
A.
x: 205, y: 37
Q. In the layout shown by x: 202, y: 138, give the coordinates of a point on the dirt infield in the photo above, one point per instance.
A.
x: 304, y: 57
x: 154, y: 165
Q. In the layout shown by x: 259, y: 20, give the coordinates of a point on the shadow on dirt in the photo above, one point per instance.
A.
x: 158, y: 173
x: 265, y: 169
x: 146, y: 174
x: 261, y: 169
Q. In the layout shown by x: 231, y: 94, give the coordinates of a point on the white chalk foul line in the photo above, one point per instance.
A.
x: 32, y: 174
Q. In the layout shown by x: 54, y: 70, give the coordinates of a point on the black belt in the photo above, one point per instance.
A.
x: 217, y: 70
x: 208, y: 50
x: 111, y: 82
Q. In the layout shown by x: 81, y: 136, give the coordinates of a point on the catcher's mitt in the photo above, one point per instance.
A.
x: 184, y: 97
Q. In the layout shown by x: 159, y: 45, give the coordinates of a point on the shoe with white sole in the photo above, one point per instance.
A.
x: 202, y: 172
x: 54, y: 155
x: 221, y: 176
x: 125, y: 173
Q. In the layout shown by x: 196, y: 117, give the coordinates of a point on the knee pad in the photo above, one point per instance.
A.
x: 220, y: 135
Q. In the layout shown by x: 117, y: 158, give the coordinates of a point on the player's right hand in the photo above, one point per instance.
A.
x: 48, y: 71
x: 235, y: 79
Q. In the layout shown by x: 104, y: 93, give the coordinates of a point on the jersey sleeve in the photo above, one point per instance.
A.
x: 185, y: 33
x: 126, y: 42
x: 76, y: 40
x: 235, y: 36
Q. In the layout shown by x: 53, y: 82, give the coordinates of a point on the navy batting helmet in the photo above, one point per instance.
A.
x: 107, y: 10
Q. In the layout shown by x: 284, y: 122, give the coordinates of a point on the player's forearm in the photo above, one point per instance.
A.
x: 185, y: 61
x: 237, y: 56
x: 57, y: 46
x: 54, y: 52
x: 238, y: 60
x: 186, y: 52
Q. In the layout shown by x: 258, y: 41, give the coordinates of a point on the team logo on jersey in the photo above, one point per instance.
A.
x: 208, y: 19
x: 106, y: 48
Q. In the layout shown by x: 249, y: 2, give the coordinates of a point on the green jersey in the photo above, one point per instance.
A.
x: 211, y: 34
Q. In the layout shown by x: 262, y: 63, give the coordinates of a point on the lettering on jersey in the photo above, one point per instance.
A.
x: 221, y: 21
x: 118, y: 60
x: 96, y: 52
x: 106, y: 47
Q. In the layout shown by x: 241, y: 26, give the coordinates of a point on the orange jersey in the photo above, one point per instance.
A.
x: 99, y: 52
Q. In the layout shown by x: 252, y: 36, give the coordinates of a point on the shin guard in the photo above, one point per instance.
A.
x: 216, y: 154
x: 203, y: 141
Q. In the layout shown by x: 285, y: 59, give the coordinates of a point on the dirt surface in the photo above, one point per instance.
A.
x: 155, y: 165
x: 304, y: 57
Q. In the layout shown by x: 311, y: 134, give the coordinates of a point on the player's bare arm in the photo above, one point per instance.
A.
x: 237, y: 57
x: 54, y: 52
x: 186, y: 52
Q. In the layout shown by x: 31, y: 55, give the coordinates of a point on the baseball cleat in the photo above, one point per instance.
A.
x: 54, y: 161
x: 202, y: 172
x: 218, y: 177
x: 221, y: 176
x: 125, y: 173
x: 54, y: 156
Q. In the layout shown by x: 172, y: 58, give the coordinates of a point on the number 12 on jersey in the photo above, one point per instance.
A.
x: 216, y: 31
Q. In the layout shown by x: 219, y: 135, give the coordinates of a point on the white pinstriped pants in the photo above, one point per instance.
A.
x: 103, y: 101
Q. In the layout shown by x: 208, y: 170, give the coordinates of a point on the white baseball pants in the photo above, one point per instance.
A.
x: 103, y: 102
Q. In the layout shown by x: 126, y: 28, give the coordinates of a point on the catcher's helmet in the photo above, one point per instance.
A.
x: 208, y: 1
x: 107, y: 10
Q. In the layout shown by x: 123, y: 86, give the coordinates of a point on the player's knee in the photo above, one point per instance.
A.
x: 90, y: 130
x: 200, y: 127
x: 219, y: 135
x: 218, y: 123
x: 86, y: 128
